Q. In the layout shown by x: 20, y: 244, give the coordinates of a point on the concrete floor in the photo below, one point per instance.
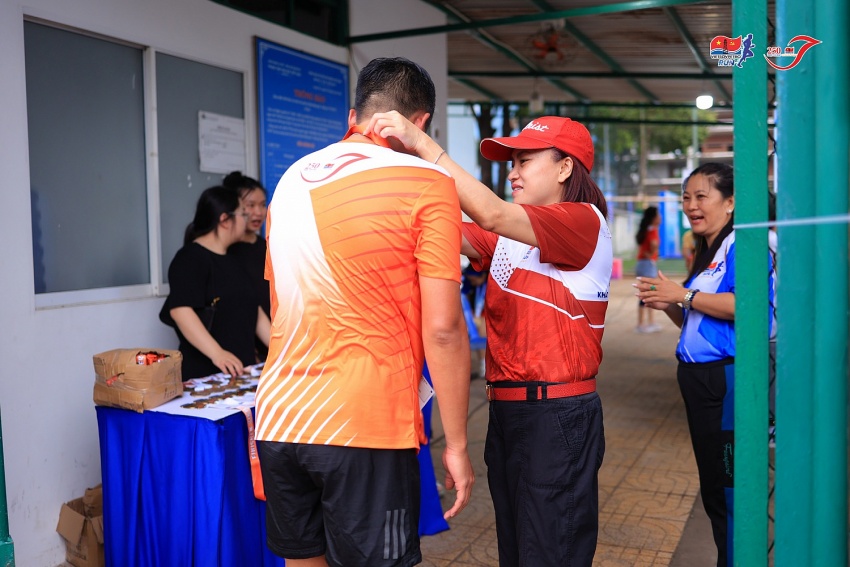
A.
x: 648, y: 482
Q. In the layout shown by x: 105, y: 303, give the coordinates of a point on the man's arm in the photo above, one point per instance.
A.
x: 446, y: 342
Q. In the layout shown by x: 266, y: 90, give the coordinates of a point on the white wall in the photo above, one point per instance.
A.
x: 430, y: 51
x: 49, y: 426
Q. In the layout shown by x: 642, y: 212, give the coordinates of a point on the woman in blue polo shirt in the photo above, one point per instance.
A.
x: 705, y: 310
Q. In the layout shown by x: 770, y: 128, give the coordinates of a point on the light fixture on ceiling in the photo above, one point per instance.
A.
x: 705, y: 101
x: 535, y: 101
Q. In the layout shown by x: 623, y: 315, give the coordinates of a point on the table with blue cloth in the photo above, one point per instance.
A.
x: 177, y: 490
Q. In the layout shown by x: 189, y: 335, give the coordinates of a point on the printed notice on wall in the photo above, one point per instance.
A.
x: 303, y: 106
x: 221, y: 142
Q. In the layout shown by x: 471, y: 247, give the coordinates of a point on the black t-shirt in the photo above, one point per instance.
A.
x: 253, y: 258
x: 197, y: 276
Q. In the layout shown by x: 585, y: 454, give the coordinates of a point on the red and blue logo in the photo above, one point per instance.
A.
x: 789, y: 51
x: 732, y: 51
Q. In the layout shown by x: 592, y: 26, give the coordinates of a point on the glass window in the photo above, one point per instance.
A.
x: 85, y: 113
x: 183, y: 88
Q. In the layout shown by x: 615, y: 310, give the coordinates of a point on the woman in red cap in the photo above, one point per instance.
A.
x: 549, y: 255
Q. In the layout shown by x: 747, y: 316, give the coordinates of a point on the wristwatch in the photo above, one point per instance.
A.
x: 689, y: 297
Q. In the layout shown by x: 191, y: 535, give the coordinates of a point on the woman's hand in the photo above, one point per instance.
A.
x: 662, y: 294
x: 659, y: 293
x: 228, y: 362
x: 197, y: 334
x: 394, y: 125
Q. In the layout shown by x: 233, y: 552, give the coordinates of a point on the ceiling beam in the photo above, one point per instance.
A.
x: 697, y: 53
x: 611, y: 104
x: 487, y: 39
x: 596, y: 50
x: 477, y: 88
x: 539, y: 17
x: 591, y: 75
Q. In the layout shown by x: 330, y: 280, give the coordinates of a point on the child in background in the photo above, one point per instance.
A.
x: 647, y: 257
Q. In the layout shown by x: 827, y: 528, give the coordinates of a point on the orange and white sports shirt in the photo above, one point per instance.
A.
x: 545, y: 305
x: 351, y: 228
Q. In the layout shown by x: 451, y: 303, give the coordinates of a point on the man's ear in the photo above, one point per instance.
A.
x: 352, y: 118
x: 420, y: 119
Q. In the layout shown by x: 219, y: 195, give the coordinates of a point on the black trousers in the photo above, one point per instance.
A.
x: 542, y: 463
x: 708, y: 390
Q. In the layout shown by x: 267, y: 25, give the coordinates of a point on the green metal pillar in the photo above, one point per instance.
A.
x: 751, y: 287
x: 829, y: 381
x: 795, y: 352
x: 7, y: 548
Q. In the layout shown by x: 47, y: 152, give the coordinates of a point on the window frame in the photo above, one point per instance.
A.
x: 156, y: 287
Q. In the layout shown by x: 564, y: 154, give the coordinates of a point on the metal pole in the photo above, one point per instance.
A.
x: 7, y: 548
x: 832, y: 142
x: 795, y: 198
x: 751, y: 281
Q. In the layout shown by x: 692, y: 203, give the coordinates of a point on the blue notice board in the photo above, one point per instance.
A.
x: 303, y: 106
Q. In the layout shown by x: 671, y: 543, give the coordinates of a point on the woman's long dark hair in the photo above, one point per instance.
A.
x: 579, y: 186
x: 649, y: 216
x: 720, y: 176
x: 211, y: 204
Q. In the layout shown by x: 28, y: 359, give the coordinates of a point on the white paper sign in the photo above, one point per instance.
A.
x: 221, y: 142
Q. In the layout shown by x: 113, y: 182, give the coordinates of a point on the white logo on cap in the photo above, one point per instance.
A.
x: 535, y: 126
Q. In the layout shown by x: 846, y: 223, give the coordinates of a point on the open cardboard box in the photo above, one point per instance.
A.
x: 122, y: 383
x: 81, y: 526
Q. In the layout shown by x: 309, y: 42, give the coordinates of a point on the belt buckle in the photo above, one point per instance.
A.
x: 489, y: 389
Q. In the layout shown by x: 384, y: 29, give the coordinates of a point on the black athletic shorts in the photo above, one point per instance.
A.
x: 358, y: 507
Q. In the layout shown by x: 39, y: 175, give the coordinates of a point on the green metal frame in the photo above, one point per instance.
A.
x: 692, y: 45
x: 487, y: 39
x: 593, y: 75
x: 491, y: 96
x: 795, y: 353
x: 541, y: 17
x: 812, y: 363
x: 751, y: 289
x: 829, y: 378
x: 596, y: 50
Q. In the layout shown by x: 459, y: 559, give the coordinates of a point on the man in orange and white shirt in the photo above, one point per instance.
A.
x: 363, y: 259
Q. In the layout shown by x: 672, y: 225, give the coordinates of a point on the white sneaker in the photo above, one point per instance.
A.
x: 641, y: 329
x: 653, y: 328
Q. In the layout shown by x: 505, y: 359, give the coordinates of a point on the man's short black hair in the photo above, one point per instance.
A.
x: 394, y: 83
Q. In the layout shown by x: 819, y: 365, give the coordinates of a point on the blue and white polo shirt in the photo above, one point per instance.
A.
x: 705, y: 338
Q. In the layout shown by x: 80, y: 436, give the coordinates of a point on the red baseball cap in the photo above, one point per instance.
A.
x: 541, y: 133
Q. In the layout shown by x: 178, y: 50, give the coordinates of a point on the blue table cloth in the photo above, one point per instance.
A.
x: 177, y: 491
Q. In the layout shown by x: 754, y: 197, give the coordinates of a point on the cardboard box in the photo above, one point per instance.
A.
x: 122, y: 383
x: 81, y: 526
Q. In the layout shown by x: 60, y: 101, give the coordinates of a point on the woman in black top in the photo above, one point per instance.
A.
x: 215, y: 308
x: 251, y: 248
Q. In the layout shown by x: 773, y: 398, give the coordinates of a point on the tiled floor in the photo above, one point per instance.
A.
x: 648, y: 481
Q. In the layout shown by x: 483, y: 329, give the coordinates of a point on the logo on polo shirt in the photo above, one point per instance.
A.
x: 713, y: 268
